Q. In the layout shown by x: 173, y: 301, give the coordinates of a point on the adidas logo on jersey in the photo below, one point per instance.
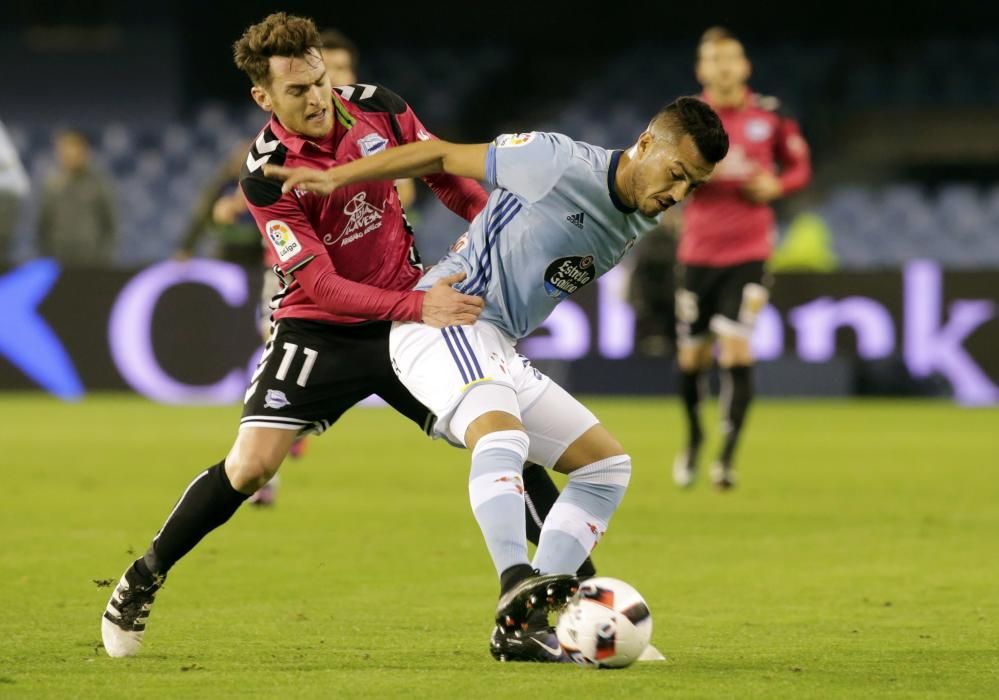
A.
x: 575, y: 219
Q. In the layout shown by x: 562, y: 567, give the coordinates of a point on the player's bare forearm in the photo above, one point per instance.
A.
x: 410, y: 160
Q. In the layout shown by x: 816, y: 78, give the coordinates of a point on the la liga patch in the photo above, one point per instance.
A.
x: 514, y: 140
x: 283, y: 239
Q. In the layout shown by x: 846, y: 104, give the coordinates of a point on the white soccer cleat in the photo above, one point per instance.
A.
x: 684, y: 470
x: 723, y: 476
x: 651, y: 654
x: 124, y: 622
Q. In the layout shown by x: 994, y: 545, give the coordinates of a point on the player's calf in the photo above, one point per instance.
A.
x: 496, y: 493
x: 736, y: 396
x: 582, y: 514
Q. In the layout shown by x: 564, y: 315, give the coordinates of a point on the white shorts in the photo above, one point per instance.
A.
x: 442, y: 367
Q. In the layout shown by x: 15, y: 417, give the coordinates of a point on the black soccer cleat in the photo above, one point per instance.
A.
x: 539, y: 593
x: 534, y: 642
x: 124, y: 622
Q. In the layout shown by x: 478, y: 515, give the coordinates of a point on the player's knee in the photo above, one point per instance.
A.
x: 735, y: 351
x: 691, y: 357
x: 608, y: 477
x: 248, y: 472
x: 594, y: 446
x: 485, y: 408
x: 513, y: 440
x: 490, y: 423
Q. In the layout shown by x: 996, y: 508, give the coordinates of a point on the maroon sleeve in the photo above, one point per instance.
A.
x: 345, y: 297
x: 793, y: 156
x: 464, y: 196
x: 300, y: 253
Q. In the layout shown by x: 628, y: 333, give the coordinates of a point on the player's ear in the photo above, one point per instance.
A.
x: 261, y: 97
x: 644, y: 144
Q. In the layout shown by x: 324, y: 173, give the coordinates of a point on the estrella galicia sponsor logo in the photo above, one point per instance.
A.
x: 275, y: 399
x: 565, y: 276
x: 372, y: 144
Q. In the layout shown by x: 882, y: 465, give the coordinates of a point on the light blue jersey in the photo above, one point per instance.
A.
x: 552, y: 225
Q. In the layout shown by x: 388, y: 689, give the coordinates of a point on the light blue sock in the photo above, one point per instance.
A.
x: 581, y: 514
x: 496, y: 491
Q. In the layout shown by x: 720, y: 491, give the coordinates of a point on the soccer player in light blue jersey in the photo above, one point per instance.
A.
x: 561, y: 214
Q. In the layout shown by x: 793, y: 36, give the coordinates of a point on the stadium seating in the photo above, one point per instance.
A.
x: 158, y: 169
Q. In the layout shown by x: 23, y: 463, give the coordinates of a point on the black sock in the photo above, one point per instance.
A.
x: 209, y: 501
x: 514, y: 575
x: 740, y: 393
x: 540, y: 494
x: 690, y: 392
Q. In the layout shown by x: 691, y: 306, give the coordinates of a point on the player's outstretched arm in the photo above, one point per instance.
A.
x: 410, y: 160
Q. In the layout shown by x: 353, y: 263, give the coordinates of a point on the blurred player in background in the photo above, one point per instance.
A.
x: 218, y: 214
x: 726, y: 237
x: 77, y: 217
x: 347, y: 267
x: 14, y: 188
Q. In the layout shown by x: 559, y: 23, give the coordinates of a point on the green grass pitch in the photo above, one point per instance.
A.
x: 858, y: 558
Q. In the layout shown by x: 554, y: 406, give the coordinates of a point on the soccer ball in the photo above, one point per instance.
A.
x: 606, y: 624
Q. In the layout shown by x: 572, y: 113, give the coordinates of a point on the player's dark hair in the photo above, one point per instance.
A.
x: 279, y: 34
x: 335, y: 39
x: 695, y: 118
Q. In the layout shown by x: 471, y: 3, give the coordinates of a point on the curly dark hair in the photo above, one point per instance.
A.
x: 279, y: 34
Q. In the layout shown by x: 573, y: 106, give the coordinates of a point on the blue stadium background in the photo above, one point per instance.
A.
x: 157, y: 93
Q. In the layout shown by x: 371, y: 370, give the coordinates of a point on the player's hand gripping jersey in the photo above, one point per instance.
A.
x: 552, y: 225
x: 721, y: 227
x: 350, y: 256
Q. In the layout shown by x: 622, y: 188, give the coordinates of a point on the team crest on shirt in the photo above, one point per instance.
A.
x: 283, y: 239
x: 566, y: 276
x: 371, y: 144
x: 758, y: 130
x: 275, y: 399
x: 514, y: 140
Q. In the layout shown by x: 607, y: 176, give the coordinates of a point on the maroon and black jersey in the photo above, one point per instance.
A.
x: 346, y: 257
x: 720, y: 226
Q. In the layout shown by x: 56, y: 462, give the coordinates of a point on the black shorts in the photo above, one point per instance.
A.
x: 716, y: 299
x: 311, y: 372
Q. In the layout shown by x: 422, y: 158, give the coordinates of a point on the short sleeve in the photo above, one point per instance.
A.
x: 528, y: 164
x: 283, y: 224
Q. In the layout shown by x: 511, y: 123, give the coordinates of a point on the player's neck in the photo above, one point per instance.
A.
x: 622, y: 179
x: 727, y: 99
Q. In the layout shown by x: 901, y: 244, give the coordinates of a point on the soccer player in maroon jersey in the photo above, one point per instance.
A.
x: 348, y: 266
x: 340, y: 58
x: 726, y: 238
